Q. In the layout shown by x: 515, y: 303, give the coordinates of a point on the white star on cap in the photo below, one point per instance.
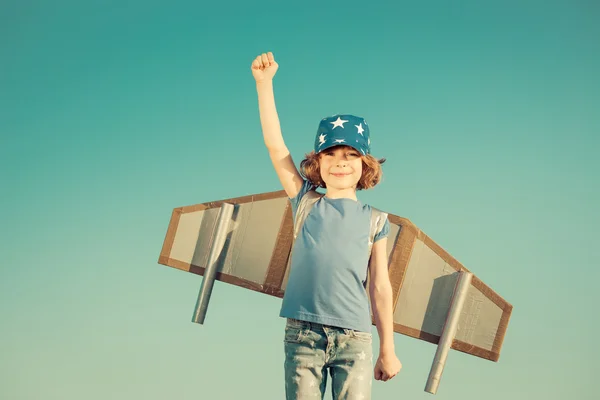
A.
x: 339, y: 122
x: 322, y: 139
x: 360, y: 128
x: 340, y: 140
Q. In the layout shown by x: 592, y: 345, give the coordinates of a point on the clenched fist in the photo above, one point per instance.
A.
x: 264, y: 67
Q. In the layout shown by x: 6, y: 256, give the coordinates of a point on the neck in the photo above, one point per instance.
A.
x: 349, y: 193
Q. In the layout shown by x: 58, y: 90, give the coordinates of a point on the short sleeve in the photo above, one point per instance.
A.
x: 384, y: 231
x: 306, y: 187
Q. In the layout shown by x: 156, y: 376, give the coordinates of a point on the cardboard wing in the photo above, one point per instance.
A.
x: 256, y: 256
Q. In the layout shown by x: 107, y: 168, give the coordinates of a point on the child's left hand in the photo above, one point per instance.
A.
x: 387, y: 366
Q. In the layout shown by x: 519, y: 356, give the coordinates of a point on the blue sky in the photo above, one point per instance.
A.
x: 114, y: 113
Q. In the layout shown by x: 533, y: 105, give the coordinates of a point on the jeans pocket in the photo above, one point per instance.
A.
x: 292, y: 334
x: 362, y: 336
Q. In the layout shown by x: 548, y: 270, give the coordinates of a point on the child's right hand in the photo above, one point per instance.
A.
x: 264, y: 67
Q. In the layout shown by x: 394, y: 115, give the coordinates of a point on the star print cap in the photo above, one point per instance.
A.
x: 343, y: 129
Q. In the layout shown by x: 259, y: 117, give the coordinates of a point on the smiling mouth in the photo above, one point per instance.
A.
x: 340, y: 174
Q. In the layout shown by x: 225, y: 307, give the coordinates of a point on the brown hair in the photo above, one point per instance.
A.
x: 371, y: 171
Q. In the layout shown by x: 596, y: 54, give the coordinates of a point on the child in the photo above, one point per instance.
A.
x: 325, y: 302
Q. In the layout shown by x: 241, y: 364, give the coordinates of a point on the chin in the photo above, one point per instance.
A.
x: 341, y: 186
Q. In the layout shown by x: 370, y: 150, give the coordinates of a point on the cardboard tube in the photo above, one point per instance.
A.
x: 210, y: 271
x: 449, y: 331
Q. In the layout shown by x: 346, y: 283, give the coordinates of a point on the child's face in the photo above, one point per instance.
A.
x: 340, y: 167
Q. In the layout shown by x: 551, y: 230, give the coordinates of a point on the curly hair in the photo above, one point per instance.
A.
x: 371, y: 171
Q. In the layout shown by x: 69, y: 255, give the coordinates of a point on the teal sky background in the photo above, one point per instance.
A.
x: 114, y: 113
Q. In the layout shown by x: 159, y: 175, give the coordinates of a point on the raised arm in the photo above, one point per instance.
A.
x: 264, y: 68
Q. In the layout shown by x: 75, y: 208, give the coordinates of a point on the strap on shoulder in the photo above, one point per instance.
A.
x: 378, y: 218
x: 304, y: 206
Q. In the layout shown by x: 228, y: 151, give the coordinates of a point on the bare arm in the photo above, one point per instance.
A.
x: 380, y: 290
x: 263, y: 69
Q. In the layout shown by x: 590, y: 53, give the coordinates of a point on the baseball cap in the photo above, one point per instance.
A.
x: 343, y: 129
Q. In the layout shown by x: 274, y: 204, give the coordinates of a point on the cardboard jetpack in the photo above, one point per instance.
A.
x: 435, y: 297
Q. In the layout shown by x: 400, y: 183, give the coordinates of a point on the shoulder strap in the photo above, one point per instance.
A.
x: 378, y: 218
x: 304, y: 206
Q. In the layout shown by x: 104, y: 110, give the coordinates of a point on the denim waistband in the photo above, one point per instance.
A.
x: 313, y: 325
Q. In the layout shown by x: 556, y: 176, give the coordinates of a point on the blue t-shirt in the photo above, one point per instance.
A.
x: 330, y: 257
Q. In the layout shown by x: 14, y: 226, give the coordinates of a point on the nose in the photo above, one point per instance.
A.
x: 341, y: 161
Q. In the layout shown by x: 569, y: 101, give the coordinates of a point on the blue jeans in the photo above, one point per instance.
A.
x: 311, y: 349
